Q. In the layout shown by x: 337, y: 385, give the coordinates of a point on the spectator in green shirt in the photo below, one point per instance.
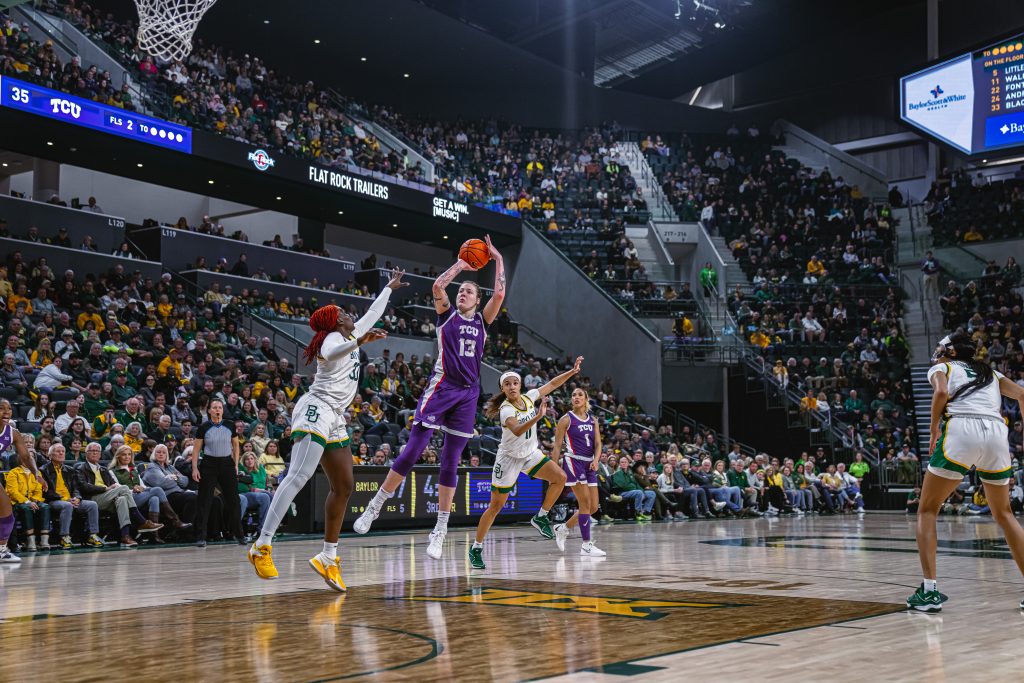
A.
x: 859, y: 468
x: 94, y: 404
x: 708, y: 278
x: 624, y: 483
x: 853, y: 405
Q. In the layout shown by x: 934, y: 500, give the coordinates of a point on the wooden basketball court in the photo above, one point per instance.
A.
x: 766, y: 600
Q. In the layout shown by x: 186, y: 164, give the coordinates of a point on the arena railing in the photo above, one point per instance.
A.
x: 285, y: 344
x: 678, y: 420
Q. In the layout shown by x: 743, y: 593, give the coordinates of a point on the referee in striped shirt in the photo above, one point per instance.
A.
x: 217, y: 444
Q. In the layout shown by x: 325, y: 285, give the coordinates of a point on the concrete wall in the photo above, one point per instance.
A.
x: 998, y: 251
x: 339, y: 240
x: 555, y: 298
x: 133, y: 199
x: 682, y: 384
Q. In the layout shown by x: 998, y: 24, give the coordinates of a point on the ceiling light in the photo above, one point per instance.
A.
x: 341, y: 213
x: 5, y: 164
x: 139, y: 165
x: 49, y: 143
x: 210, y: 181
x: 405, y: 75
x: 394, y: 225
x: 266, y: 21
x: 362, y: 59
x: 446, y: 236
x: 316, y: 40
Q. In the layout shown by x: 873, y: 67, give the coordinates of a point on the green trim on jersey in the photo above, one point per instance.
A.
x: 299, y: 434
x: 502, y: 489
x: 339, y: 444
x: 995, y: 476
x: 939, y: 458
x: 536, y: 468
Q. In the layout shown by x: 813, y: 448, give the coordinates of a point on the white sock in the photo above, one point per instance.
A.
x: 930, y: 585
x: 330, y: 550
x: 542, y: 513
x: 477, y: 544
x: 442, y: 521
x: 265, y: 538
x: 381, y: 497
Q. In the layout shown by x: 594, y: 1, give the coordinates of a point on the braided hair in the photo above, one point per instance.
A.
x: 964, y: 347
x: 323, y: 321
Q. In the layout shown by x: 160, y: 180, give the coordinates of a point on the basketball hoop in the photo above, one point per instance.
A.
x: 166, y: 26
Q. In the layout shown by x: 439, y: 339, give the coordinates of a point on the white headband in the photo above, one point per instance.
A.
x: 506, y: 375
x: 945, y: 341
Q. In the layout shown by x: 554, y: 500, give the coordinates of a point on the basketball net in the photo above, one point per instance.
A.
x: 166, y: 26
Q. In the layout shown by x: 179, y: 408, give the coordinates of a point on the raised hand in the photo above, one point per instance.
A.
x: 576, y: 366
x: 495, y: 254
x: 373, y: 335
x: 396, y: 279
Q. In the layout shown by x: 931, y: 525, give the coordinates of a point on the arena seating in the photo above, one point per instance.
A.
x: 960, y: 210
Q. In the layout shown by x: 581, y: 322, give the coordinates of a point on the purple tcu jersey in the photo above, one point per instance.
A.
x: 460, y: 348
x: 581, y: 436
x: 6, y: 438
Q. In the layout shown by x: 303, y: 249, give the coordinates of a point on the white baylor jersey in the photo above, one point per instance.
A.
x: 984, y: 401
x: 519, y: 446
x: 337, y: 381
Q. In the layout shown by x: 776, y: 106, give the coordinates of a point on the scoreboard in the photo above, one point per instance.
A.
x: 79, y: 111
x: 973, y: 102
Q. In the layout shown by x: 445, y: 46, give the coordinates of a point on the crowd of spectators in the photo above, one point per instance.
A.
x: 961, y: 208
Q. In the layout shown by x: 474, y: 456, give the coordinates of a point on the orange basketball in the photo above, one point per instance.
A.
x: 475, y: 253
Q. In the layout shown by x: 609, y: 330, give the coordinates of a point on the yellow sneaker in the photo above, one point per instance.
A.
x: 262, y: 561
x: 331, y: 573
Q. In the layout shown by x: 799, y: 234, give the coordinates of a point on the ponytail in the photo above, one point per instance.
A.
x: 323, y: 321
x: 492, y: 408
x: 961, y: 342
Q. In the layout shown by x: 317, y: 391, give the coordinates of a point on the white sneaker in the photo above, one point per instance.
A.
x: 561, y: 533
x: 718, y: 504
x: 7, y: 557
x: 362, y: 525
x: 969, y: 511
x: 436, y: 546
x: 590, y: 550
x: 798, y: 511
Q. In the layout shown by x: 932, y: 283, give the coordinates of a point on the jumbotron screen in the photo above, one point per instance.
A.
x: 973, y: 102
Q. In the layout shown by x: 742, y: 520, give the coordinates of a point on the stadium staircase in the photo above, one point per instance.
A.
x: 770, y: 415
x: 922, y: 404
x: 813, y: 152
x: 659, y: 206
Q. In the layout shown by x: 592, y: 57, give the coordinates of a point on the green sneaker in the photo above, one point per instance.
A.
x: 476, y: 558
x: 543, y: 525
x: 922, y: 601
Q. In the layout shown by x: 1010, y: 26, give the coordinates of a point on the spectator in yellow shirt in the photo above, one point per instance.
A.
x: 760, y: 339
x: 19, y: 296
x: 683, y: 327
x: 170, y: 366
x: 972, y: 235
x: 815, y: 267
x: 89, y: 314
x: 809, y: 402
x: 27, y: 496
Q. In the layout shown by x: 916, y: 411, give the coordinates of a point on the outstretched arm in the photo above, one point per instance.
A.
x: 493, y: 306
x: 379, y: 305
x: 441, y: 303
x: 561, y: 379
x: 1013, y: 391
x: 336, y: 347
x: 519, y: 429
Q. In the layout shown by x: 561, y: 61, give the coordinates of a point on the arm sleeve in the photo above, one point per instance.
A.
x: 373, y: 313
x: 533, y: 395
x: 336, y: 346
x: 935, y: 369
